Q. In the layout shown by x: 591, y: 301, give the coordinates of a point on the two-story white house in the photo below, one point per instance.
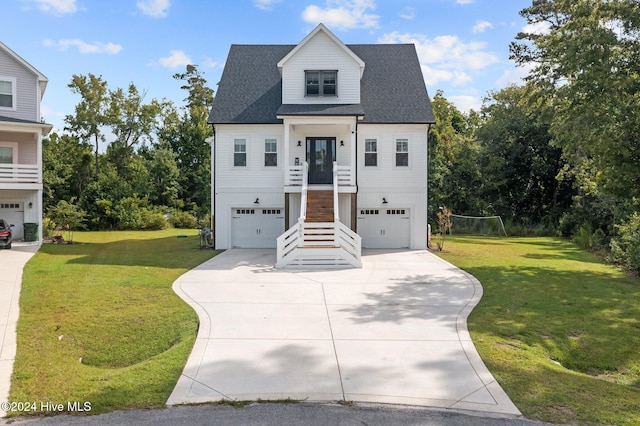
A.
x: 319, y: 149
x: 21, y: 131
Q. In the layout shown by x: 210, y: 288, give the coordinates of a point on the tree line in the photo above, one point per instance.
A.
x: 559, y: 154
x: 126, y: 163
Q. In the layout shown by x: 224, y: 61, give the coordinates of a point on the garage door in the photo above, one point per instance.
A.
x: 256, y: 228
x: 384, y: 228
x: 13, y: 212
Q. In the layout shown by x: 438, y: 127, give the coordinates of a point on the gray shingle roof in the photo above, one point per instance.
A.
x: 392, y: 88
x: 17, y: 120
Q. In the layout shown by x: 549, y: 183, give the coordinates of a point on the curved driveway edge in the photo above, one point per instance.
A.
x: 393, y: 332
x: 11, y: 264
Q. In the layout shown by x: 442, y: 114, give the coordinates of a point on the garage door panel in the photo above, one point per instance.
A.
x: 256, y: 228
x: 384, y: 228
x: 13, y: 213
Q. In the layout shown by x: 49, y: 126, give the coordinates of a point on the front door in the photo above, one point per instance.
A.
x: 321, y: 153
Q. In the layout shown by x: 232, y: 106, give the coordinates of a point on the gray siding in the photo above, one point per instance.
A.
x: 26, y: 89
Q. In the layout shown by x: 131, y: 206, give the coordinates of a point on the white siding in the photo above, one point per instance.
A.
x: 27, y: 146
x: 26, y: 89
x: 321, y: 53
x: 254, y: 175
x: 386, y: 174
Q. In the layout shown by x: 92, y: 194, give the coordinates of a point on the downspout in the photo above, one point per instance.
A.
x: 212, y: 141
x: 427, y: 200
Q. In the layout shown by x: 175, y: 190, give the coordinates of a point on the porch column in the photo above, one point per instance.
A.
x: 285, y: 160
x: 354, y: 159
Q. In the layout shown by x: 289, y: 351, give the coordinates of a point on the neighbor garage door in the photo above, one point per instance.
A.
x: 13, y: 213
x: 384, y: 228
x: 256, y: 228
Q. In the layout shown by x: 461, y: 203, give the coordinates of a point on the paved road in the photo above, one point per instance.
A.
x: 287, y: 414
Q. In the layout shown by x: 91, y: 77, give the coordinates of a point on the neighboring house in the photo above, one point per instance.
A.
x: 21, y: 132
x: 284, y: 115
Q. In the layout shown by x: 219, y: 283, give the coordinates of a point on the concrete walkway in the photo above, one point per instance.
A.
x: 11, y: 264
x: 392, y: 332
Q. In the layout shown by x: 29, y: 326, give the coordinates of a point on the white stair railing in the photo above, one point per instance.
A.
x: 319, y: 244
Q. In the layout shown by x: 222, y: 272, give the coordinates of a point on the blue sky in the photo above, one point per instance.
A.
x: 462, y: 44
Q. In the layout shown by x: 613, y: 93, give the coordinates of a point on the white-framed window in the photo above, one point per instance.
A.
x: 240, y: 153
x: 8, y: 153
x: 7, y: 93
x: 402, y: 152
x: 270, y: 152
x: 321, y: 83
x: 370, y: 152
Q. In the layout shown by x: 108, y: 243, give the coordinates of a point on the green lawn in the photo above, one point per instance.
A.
x: 557, y: 328
x: 99, y: 322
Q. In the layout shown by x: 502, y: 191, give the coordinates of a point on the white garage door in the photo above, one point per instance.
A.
x: 256, y: 228
x: 384, y: 228
x: 13, y: 212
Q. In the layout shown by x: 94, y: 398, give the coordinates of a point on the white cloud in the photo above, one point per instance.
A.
x: 177, y: 58
x: 343, y: 14
x: 154, y: 8
x: 265, y: 4
x: 466, y: 103
x: 56, y: 7
x: 210, y: 63
x: 481, y: 26
x: 408, y: 13
x: 464, y: 1
x: 445, y: 58
x: 514, y: 75
x: 540, y: 28
x: 84, y: 47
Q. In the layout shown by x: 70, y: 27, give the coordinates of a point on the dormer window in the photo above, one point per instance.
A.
x: 321, y: 83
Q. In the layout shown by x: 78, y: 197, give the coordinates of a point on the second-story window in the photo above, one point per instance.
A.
x: 7, y: 93
x: 270, y: 153
x: 370, y: 152
x: 321, y: 83
x: 402, y: 152
x: 240, y: 152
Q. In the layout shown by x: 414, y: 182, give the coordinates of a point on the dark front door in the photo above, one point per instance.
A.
x: 321, y: 153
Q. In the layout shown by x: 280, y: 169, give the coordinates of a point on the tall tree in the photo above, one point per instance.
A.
x: 186, y: 136
x: 454, y: 177
x: 585, y: 54
x: 90, y: 113
x: 518, y: 162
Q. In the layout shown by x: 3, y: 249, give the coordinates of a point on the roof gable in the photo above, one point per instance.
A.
x: 321, y: 29
x: 42, y: 79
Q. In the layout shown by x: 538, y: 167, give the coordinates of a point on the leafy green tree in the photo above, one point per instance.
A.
x: 454, y: 177
x: 186, y: 136
x: 67, y: 168
x: 68, y: 217
x: 585, y: 55
x: 518, y: 162
x: 90, y: 113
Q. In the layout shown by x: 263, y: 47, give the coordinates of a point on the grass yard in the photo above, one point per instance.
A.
x: 99, y: 322
x: 557, y: 328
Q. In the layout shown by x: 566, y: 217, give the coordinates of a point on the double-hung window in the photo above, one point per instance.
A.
x: 240, y: 152
x: 7, y: 93
x: 402, y: 152
x: 321, y: 83
x: 370, y: 152
x: 270, y: 152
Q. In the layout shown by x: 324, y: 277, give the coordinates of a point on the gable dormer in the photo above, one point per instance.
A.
x: 321, y: 70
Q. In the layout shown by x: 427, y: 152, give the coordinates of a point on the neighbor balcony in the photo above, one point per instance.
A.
x: 19, y: 174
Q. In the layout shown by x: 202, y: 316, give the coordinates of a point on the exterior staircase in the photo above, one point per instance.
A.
x: 319, y: 239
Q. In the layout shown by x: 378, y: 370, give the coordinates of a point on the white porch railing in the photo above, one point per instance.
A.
x: 19, y: 173
x: 295, y: 174
x: 319, y: 244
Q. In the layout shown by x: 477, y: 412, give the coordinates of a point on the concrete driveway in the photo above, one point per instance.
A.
x: 392, y: 332
x: 11, y: 264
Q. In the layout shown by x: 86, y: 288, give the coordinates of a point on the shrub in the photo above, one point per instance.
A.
x: 186, y: 220
x: 584, y: 237
x: 152, y: 220
x: 625, y: 247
